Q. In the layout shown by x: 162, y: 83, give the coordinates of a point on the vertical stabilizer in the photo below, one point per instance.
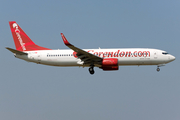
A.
x: 21, y: 40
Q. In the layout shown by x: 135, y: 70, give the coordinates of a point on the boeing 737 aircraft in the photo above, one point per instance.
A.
x: 106, y: 59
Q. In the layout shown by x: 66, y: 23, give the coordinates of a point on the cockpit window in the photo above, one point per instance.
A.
x: 165, y: 53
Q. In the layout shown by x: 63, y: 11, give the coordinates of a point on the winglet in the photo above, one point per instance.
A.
x: 65, y: 40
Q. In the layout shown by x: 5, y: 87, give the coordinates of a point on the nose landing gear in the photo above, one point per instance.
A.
x: 158, y: 69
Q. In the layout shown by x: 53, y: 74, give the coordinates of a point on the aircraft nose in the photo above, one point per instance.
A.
x: 172, y: 58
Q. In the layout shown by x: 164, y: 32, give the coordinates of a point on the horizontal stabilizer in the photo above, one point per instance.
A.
x: 16, y: 51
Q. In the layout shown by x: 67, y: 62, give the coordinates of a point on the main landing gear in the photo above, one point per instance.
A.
x: 91, y: 70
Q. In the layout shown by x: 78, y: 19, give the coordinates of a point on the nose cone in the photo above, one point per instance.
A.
x: 172, y: 58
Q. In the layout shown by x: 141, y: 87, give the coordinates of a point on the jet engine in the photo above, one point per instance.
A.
x: 110, y: 64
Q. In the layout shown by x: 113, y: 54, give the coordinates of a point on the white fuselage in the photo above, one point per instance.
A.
x: 128, y: 56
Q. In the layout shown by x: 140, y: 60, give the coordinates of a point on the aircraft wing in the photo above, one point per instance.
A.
x: 86, y: 57
x: 16, y: 51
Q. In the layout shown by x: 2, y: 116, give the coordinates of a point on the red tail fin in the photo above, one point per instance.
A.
x: 21, y: 40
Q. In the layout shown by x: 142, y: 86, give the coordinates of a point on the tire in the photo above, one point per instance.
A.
x: 91, y: 70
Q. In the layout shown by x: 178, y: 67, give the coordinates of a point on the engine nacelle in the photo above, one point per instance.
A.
x: 110, y: 64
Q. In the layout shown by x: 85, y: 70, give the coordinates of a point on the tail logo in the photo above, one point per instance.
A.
x: 17, y: 31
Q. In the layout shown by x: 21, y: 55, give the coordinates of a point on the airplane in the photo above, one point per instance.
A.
x: 105, y: 59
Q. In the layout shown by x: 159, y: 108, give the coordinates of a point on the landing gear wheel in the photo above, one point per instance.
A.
x: 158, y: 69
x: 91, y: 70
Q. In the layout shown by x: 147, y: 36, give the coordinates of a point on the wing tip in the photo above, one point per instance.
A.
x: 65, y: 40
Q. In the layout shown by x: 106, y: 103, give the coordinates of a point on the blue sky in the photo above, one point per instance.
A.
x: 30, y: 91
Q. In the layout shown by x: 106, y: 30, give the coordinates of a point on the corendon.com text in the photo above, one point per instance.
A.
x: 119, y: 53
